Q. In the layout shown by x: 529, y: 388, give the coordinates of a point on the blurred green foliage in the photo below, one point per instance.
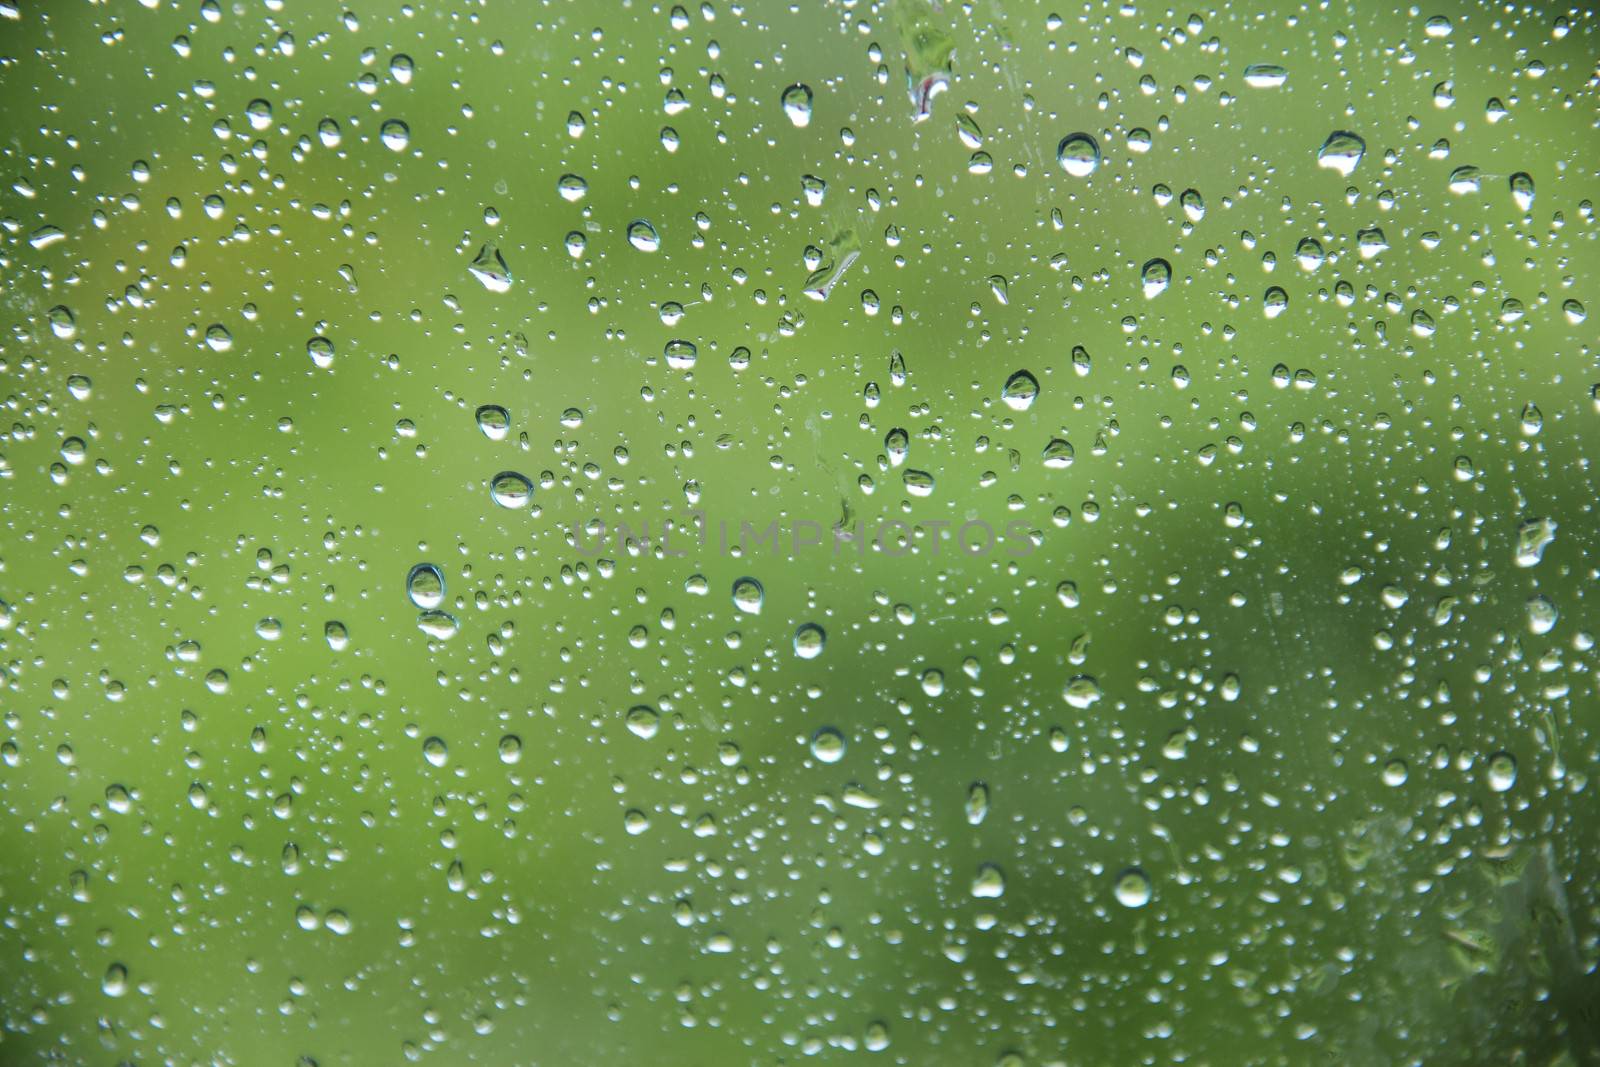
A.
x: 1316, y: 698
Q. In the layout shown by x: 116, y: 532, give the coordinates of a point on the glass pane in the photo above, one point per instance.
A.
x: 742, y: 533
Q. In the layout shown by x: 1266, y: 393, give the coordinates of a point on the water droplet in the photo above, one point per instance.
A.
x: 643, y: 721
x: 977, y: 802
x: 1342, y: 152
x: 897, y: 444
x: 1542, y: 615
x: 642, y: 235
x: 680, y: 355
x: 1502, y: 771
x: 1058, y: 454
x: 1522, y: 190
x: 571, y: 188
x: 1464, y: 180
x: 808, y: 640
x: 489, y: 267
x: 435, y: 751
x: 1082, y: 691
x: 1078, y: 154
x: 827, y: 745
x: 748, y: 596
x: 1154, y: 277
x: 968, y: 130
x: 115, y: 982
x: 1275, y: 302
x: 1533, y: 537
x: 320, y: 349
x: 797, y: 104
x: 510, y: 749
x: 259, y: 114
x: 395, y: 135
x: 425, y: 586
x: 62, y: 322
x: 1193, y: 204
x: 337, y: 636
x: 493, y: 421
x: 1265, y: 75
x: 511, y: 490
x: 1133, y: 888
x: 218, y: 338
x: 439, y: 625
x: 989, y: 882
x: 1308, y: 254
x: 1020, y: 391
x: 917, y: 483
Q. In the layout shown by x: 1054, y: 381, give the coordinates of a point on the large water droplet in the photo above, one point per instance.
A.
x: 440, y: 625
x: 1133, y: 888
x: 489, y: 267
x: 1020, y: 391
x: 989, y: 882
x: 511, y: 490
x: 1502, y: 771
x: 1265, y: 75
x: 681, y: 355
x: 1522, y: 190
x: 827, y: 745
x: 1082, y: 691
x: 808, y: 640
x: 642, y: 235
x: 643, y: 721
x: 62, y: 322
x: 1154, y: 277
x: 1078, y: 154
x: 1342, y: 151
x: 320, y: 349
x: 797, y: 104
x: 494, y: 421
x: 425, y: 586
x: 395, y: 135
x: 748, y: 596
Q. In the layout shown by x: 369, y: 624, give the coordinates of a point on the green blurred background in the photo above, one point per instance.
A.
x: 1284, y: 557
